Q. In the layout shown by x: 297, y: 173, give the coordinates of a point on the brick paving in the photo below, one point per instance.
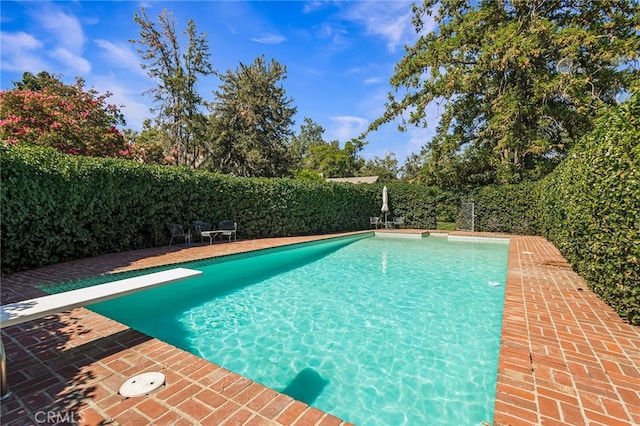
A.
x: 565, y: 357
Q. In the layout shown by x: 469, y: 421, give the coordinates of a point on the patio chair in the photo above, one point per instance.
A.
x: 177, y: 231
x: 228, y: 228
x: 398, y: 221
x: 374, y: 222
x: 199, y: 227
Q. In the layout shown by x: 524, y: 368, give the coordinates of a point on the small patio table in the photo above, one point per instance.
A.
x: 211, y: 235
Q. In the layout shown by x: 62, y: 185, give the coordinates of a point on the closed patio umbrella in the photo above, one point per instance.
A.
x: 385, y: 204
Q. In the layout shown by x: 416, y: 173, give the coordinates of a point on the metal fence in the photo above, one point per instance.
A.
x: 467, y: 217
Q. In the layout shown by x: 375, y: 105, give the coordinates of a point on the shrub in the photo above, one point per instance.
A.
x: 68, y: 118
x: 590, y: 209
x: 57, y: 207
x: 505, y: 208
x: 415, y: 202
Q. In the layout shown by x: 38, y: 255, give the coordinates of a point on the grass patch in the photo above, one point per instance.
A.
x: 446, y: 226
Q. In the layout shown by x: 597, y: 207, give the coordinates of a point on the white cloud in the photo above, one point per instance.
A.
x: 121, y: 55
x: 312, y: 6
x: 389, y: 139
x: 347, y: 127
x: 19, y: 52
x: 135, y: 112
x: 335, y: 34
x: 75, y: 62
x: 412, y: 140
x: 373, y: 80
x: 389, y: 20
x: 66, y: 29
x: 61, y: 37
x: 269, y: 39
x: 17, y: 41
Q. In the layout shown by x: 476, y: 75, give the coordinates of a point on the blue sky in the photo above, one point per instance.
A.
x: 339, y: 54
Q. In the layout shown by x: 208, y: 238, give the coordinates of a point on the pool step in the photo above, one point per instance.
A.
x: 402, y: 234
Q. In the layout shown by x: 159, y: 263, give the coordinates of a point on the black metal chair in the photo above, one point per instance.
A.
x: 177, y: 231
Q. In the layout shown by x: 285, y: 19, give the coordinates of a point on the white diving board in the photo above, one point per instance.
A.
x: 27, y: 310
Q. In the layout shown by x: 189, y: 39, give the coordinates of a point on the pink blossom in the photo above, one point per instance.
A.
x: 62, y: 120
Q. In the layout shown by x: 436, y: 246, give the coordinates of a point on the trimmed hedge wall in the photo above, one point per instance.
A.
x: 416, y: 203
x: 590, y: 209
x: 506, y: 208
x: 58, y: 207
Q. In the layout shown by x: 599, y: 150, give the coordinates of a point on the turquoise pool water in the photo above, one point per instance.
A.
x: 376, y: 331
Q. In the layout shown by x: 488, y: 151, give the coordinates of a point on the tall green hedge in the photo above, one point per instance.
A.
x: 590, y: 209
x: 505, y: 208
x: 58, y: 207
x: 417, y: 204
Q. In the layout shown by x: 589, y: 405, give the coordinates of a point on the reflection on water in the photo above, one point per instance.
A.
x: 384, y: 262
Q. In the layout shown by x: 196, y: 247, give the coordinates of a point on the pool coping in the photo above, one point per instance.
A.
x: 565, y: 356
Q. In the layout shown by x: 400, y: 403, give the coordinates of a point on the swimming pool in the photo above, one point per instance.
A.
x: 372, y: 330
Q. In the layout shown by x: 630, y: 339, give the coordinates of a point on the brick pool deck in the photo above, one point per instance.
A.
x: 565, y: 356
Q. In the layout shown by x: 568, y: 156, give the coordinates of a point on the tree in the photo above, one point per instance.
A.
x: 450, y: 169
x: 41, y: 110
x: 521, y: 80
x: 331, y: 161
x: 179, y: 106
x: 250, y: 121
x: 147, y: 146
x: 385, y: 168
x: 311, y: 133
x: 411, y: 167
x: 41, y: 81
x: 314, y: 158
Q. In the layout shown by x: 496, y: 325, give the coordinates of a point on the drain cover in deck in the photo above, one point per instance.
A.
x: 142, y: 384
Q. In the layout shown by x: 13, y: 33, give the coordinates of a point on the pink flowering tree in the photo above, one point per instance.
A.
x: 41, y: 110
